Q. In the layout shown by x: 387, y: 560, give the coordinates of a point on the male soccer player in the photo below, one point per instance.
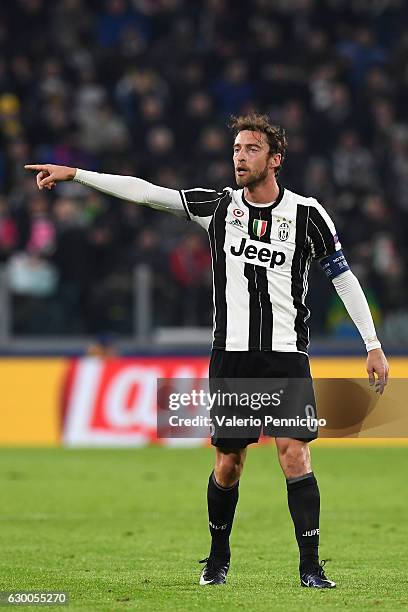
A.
x: 263, y: 238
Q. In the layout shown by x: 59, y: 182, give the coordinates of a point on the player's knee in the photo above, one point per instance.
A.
x: 228, y: 468
x: 295, y: 459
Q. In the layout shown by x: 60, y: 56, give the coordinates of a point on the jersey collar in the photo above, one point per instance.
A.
x: 273, y: 205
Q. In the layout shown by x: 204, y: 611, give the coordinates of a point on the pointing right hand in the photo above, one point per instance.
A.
x: 49, y: 174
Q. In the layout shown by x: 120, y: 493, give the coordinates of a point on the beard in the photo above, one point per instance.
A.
x: 252, y: 179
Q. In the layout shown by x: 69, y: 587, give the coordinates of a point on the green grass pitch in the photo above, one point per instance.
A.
x: 124, y: 529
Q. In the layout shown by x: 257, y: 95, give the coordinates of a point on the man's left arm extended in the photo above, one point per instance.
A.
x: 349, y: 289
x: 326, y: 248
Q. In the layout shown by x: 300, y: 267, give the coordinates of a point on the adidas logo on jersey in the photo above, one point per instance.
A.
x: 236, y: 222
x: 258, y: 253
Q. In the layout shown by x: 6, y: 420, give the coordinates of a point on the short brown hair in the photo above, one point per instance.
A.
x: 255, y: 122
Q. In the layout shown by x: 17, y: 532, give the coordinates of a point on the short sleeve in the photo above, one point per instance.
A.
x: 201, y: 204
x: 322, y: 234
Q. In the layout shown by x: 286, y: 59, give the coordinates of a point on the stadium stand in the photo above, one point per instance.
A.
x: 102, y: 92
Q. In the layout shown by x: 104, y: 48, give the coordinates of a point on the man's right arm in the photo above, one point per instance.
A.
x: 127, y: 188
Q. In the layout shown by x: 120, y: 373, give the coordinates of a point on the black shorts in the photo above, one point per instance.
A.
x: 232, y: 370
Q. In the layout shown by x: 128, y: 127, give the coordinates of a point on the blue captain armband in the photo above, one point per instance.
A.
x: 334, y: 264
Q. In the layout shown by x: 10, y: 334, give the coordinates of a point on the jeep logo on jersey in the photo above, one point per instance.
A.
x: 259, y: 227
x: 283, y: 231
x: 259, y: 254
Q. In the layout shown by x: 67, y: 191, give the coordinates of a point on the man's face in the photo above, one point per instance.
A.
x: 252, y: 160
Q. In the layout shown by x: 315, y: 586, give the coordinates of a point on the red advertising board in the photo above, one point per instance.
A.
x: 114, y: 402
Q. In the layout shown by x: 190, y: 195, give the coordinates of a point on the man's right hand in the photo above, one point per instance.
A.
x: 49, y: 174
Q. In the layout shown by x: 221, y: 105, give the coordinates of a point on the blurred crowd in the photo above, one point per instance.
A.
x: 146, y: 87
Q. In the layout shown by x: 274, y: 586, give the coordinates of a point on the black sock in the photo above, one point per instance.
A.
x: 304, y: 506
x: 222, y: 502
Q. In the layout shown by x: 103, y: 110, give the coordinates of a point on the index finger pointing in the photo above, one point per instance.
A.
x: 35, y: 167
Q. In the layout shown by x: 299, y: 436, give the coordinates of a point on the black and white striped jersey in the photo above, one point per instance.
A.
x: 261, y: 257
